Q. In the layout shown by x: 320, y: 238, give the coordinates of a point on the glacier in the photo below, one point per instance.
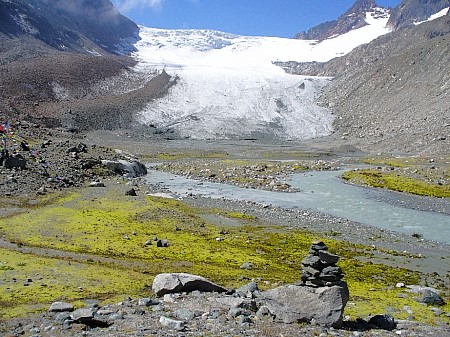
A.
x: 228, y: 87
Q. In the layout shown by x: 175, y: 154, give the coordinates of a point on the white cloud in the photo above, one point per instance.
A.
x: 127, y: 5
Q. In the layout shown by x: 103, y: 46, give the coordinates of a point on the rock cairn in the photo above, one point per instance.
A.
x: 319, y: 267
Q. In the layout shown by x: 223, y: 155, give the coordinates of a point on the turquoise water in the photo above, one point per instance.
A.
x: 322, y: 192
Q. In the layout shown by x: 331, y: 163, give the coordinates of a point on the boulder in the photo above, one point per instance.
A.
x: 169, y: 283
x: 130, y: 169
x: 324, y: 305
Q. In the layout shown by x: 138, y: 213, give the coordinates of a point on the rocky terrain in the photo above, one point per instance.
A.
x: 390, y: 94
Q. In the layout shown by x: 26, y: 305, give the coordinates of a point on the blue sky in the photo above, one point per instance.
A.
x: 283, y: 18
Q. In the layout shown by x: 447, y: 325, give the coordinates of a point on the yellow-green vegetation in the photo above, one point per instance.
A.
x: 29, y: 282
x: 396, y: 181
x: 101, y: 235
x: 236, y: 215
x: 416, y: 175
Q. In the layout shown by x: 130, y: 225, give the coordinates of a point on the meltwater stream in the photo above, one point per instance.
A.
x: 323, y: 192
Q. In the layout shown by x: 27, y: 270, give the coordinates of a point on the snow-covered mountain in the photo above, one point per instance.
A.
x: 228, y: 86
x: 352, y: 19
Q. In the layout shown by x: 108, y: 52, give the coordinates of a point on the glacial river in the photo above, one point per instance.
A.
x: 323, y: 192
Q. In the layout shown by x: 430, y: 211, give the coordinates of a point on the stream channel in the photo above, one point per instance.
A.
x: 325, y: 192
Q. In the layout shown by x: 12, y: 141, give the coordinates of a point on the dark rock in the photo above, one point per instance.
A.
x: 15, y: 162
x: 385, y: 322
x: 327, y: 258
x: 331, y: 272
x: 131, y: 192
x: 431, y: 297
x: 312, y: 261
x: 318, y: 246
x: 164, y: 243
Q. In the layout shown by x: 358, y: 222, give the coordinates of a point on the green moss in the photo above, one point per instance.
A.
x: 237, y: 215
x: 397, y: 182
x: 32, y: 282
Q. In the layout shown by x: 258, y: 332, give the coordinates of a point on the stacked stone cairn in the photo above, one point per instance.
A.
x: 319, y: 267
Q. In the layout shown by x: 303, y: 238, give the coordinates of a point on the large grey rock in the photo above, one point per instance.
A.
x: 168, y: 283
x: 291, y: 304
x: 130, y: 169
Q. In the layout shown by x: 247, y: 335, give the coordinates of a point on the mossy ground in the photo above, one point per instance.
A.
x: 420, y: 176
x: 100, y: 235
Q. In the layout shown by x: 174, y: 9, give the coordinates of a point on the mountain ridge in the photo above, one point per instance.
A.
x: 409, y: 12
x: 352, y: 19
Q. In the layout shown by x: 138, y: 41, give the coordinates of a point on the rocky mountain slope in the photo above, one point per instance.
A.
x: 352, y: 19
x: 413, y: 11
x: 393, y: 94
x: 51, y: 72
x: 69, y: 25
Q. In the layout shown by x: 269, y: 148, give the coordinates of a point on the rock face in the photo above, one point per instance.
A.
x: 180, y: 282
x: 324, y: 305
x: 320, y: 296
x: 411, y: 11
